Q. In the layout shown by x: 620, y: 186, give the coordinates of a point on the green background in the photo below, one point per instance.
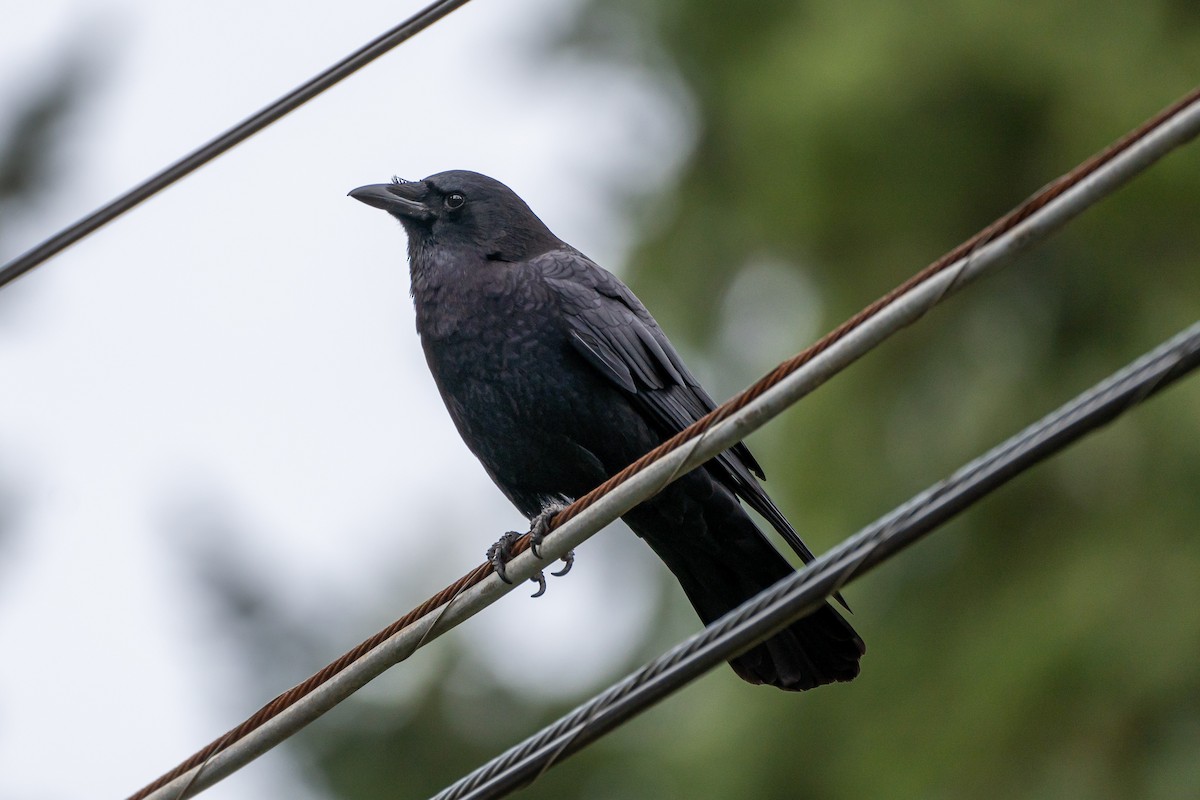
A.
x: 1046, y: 643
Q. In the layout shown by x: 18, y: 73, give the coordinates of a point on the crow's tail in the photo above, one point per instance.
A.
x: 721, y: 559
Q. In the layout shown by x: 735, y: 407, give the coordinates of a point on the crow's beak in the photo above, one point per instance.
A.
x: 398, y: 199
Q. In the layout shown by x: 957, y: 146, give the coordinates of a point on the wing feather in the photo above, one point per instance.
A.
x: 615, y: 333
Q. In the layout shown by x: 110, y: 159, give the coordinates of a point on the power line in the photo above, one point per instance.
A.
x: 801, y: 593
x: 227, y: 140
x: 998, y: 244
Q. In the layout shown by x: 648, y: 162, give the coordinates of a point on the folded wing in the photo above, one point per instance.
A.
x: 615, y: 333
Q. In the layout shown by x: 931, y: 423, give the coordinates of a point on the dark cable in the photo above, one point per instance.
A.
x: 227, y: 140
x: 800, y: 594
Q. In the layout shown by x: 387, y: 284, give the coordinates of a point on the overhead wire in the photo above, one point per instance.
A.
x: 996, y: 245
x: 227, y: 140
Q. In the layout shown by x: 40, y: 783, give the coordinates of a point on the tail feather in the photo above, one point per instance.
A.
x: 815, y: 650
x: 818, y: 649
x: 721, y: 559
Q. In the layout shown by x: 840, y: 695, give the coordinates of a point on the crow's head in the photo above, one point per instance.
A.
x: 463, y: 210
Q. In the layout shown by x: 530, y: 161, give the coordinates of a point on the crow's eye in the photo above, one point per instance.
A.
x: 455, y: 201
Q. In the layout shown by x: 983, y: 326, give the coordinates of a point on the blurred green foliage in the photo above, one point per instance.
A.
x: 1046, y: 644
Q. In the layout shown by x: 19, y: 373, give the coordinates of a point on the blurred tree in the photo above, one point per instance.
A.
x: 1046, y: 645
x: 29, y: 158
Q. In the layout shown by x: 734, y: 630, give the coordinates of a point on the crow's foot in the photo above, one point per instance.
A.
x: 540, y: 526
x: 499, y: 554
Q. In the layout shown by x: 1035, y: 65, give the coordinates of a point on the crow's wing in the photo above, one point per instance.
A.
x: 615, y: 333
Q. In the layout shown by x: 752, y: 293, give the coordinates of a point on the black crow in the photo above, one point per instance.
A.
x: 557, y: 377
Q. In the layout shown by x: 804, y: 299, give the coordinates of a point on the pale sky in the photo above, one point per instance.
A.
x: 241, y: 349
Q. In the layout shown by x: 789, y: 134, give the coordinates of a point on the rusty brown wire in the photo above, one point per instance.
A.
x: 725, y: 410
x: 289, y: 698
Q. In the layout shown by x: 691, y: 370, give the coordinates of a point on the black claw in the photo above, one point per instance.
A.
x: 499, y: 554
x: 540, y: 579
x: 568, y: 562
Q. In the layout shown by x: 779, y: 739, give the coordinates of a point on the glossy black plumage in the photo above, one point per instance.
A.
x: 556, y: 377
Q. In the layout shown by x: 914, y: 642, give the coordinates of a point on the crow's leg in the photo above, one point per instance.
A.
x: 540, y: 526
